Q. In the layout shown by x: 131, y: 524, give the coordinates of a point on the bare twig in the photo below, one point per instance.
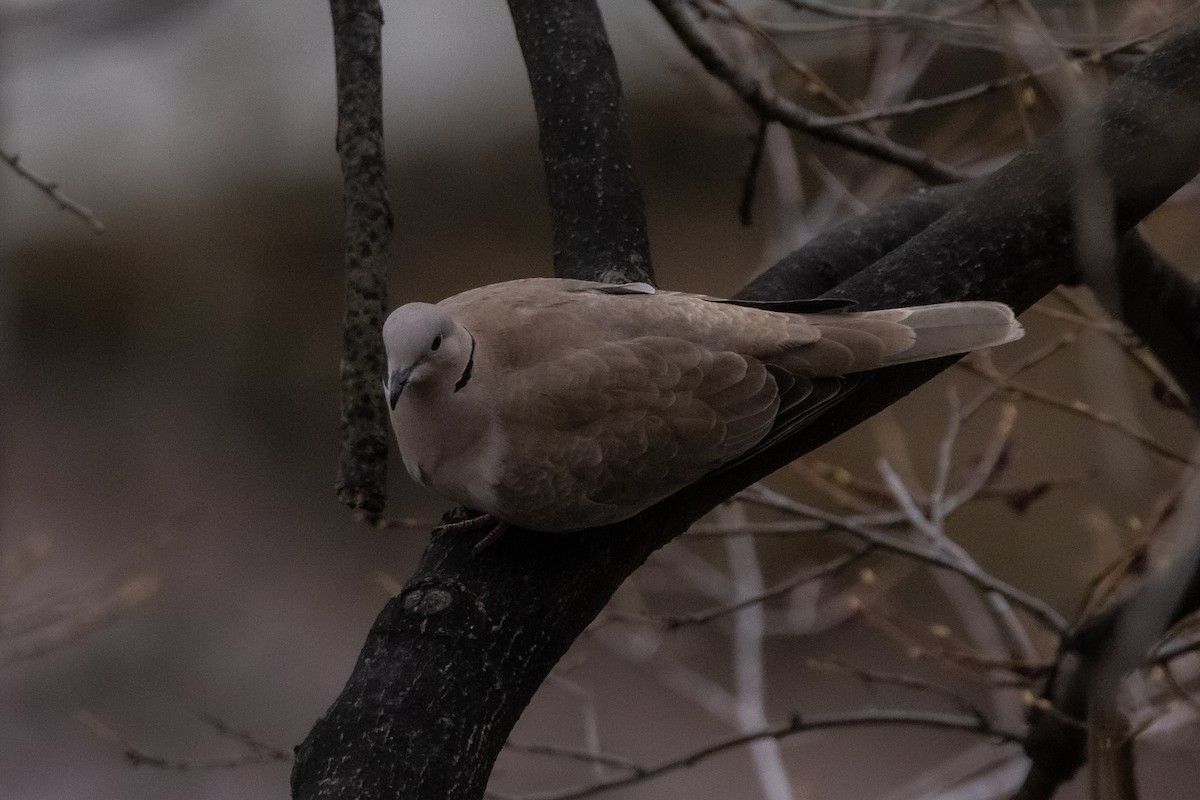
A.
x: 1027, y: 363
x: 813, y: 83
x: 831, y: 567
x: 1131, y: 345
x: 990, y: 461
x: 991, y: 623
x: 1104, y: 326
x: 790, y: 527
x: 50, y: 189
x: 871, y: 676
x: 980, y: 89
x: 1036, y: 607
x: 1079, y: 408
x: 574, y: 754
x: 841, y: 486
x: 769, y: 104
x: 258, y: 751
x: 796, y: 725
x: 951, y: 652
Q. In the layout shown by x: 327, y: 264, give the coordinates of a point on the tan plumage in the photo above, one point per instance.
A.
x: 561, y: 404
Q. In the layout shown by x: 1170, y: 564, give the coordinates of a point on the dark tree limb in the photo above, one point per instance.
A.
x: 836, y: 255
x: 362, y: 462
x: 595, y: 198
x: 451, y: 662
x: 1162, y: 306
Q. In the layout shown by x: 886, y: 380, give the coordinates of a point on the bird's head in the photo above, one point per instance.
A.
x: 423, y: 344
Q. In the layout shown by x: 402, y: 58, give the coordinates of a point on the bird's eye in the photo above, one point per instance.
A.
x: 437, y: 342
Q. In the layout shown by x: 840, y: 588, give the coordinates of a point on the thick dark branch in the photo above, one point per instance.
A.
x: 834, y: 256
x: 451, y: 662
x: 1162, y: 306
x: 595, y: 197
x: 362, y: 462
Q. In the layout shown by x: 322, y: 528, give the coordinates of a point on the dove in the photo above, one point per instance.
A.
x: 557, y: 405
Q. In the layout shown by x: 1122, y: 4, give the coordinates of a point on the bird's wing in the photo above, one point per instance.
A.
x: 618, y: 426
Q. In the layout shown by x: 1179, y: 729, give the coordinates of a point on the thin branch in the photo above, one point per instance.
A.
x: 1137, y: 258
x: 813, y: 83
x: 844, y: 487
x: 705, y: 530
x: 574, y: 754
x: 990, y: 462
x: 986, y: 87
x: 1036, y: 607
x: 259, y: 752
x: 50, y: 189
x: 1079, y: 320
x: 1025, y: 364
x: 753, y: 168
x: 1081, y: 409
x: 991, y: 622
x: 952, y: 653
x: 796, y: 725
x: 831, y: 567
x: 769, y: 104
x: 871, y: 676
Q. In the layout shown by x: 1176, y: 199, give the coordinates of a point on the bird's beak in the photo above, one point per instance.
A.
x: 396, y: 382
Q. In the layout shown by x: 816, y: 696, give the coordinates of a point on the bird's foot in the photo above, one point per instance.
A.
x: 490, y: 538
x: 496, y: 526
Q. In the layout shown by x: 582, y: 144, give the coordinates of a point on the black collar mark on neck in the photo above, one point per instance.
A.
x: 465, y: 378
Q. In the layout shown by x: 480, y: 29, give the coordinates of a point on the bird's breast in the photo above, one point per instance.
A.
x: 449, y: 446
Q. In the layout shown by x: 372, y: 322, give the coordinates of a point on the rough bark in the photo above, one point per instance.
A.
x: 362, y: 462
x: 595, y: 198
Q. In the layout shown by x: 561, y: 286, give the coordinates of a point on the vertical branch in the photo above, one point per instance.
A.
x: 362, y: 462
x: 1162, y: 306
x: 595, y: 198
x: 749, y: 625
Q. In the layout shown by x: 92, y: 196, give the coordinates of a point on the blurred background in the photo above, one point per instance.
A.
x: 174, y: 568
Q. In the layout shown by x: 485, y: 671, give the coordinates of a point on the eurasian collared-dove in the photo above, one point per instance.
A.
x: 563, y: 404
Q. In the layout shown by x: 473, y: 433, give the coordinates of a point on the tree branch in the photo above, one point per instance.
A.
x: 766, y: 101
x: 362, y: 462
x: 51, y: 189
x: 969, y: 723
x: 595, y: 198
x: 451, y: 662
x: 1162, y: 306
x: 836, y: 255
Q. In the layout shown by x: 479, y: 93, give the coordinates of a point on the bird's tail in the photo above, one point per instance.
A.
x: 951, y: 328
